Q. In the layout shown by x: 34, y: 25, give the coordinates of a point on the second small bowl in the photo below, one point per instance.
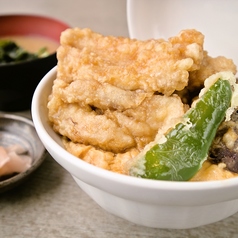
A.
x: 19, y: 80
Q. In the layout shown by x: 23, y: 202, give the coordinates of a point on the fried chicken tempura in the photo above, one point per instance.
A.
x: 152, y: 65
x: 107, y: 128
x: 208, y: 67
x: 112, y: 95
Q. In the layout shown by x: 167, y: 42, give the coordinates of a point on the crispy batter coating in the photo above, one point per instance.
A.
x: 100, y: 95
x: 112, y: 94
x: 208, y: 67
x: 211, y: 172
x: 106, y: 128
x: 152, y: 65
x: 102, y: 159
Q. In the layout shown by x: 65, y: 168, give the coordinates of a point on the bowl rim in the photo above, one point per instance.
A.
x: 109, y: 175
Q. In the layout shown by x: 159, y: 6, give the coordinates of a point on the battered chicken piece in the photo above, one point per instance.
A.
x: 152, y: 65
x: 208, y: 67
x: 102, y: 159
x: 99, y: 95
x: 109, y: 129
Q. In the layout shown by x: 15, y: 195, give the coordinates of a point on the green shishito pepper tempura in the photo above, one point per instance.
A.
x: 186, y: 146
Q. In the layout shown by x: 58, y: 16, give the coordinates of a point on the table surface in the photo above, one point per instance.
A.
x: 51, y: 204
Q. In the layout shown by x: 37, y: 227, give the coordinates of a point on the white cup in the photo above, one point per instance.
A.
x: 216, y: 19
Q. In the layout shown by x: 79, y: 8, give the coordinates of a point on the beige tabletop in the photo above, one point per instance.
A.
x: 50, y: 204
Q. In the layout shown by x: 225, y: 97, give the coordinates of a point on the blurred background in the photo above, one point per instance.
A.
x: 75, y: 13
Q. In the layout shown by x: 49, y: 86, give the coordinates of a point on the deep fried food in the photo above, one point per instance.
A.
x: 107, y: 128
x: 224, y: 147
x: 208, y: 67
x: 152, y: 65
x: 112, y: 95
x: 211, y: 172
x: 102, y: 159
x: 100, y: 95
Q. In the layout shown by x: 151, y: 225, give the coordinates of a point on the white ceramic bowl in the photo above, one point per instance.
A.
x: 158, y: 204
x: 162, y: 19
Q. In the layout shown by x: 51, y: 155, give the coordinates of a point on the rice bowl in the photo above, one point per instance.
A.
x: 158, y: 204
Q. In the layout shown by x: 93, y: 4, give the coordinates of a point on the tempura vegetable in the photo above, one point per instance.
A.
x: 186, y: 146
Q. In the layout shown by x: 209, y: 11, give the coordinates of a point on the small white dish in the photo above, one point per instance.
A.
x: 217, y: 20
